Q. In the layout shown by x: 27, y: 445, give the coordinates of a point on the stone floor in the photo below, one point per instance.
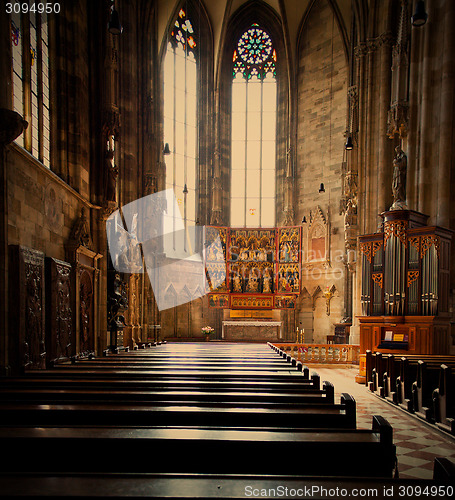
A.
x: 417, y: 442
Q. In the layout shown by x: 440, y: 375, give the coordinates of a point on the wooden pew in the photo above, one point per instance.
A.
x: 374, y: 362
x: 39, y: 381
x: 392, y: 376
x: 205, y: 451
x: 228, y: 398
x: 316, y: 416
x: 187, y: 366
x: 165, y: 486
x: 165, y: 374
x: 377, y: 374
x: 407, y: 376
x: 444, y: 400
x: 422, y: 389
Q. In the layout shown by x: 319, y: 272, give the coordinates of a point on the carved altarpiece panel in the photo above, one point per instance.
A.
x: 85, y: 286
x: 27, y: 309
x: 59, y: 318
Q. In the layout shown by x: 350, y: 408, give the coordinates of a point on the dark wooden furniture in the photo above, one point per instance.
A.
x: 156, y: 486
x: 420, y: 384
x: 342, y: 331
x: 444, y: 400
x: 321, y: 416
x: 27, y: 309
x: 59, y: 314
x: 428, y: 373
x: 405, y: 286
x: 200, y: 450
x: 263, y: 409
x: 159, y: 486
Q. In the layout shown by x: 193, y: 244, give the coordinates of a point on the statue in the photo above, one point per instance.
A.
x: 267, y: 282
x: 399, y: 180
x: 111, y: 177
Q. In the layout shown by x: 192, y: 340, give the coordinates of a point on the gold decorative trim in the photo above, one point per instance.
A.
x: 415, y: 242
x: 377, y: 278
x: 427, y: 241
x: 251, y: 301
x: 365, y: 248
x: 397, y: 228
x: 375, y: 246
x: 412, y: 276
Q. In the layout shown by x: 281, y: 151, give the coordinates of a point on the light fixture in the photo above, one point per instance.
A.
x: 166, y: 150
x: 114, y: 27
x: 185, y: 189
x: 304, y: 220
x: 322, y: 188
x: 420, y: 16
x: 348, y: 146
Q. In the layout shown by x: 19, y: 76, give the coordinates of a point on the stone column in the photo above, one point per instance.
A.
x: 216, y: 216
x: 360, y: 53
x: 358, y: 159
x: 385, y: 43
x: 289, y: 212
x: 412, y: 186
x: 426, y: 163
x: 11, y: 126
x: 6, y: 102
x: 446, y: 128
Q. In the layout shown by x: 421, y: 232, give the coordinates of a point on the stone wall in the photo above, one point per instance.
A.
x: 321, y: 124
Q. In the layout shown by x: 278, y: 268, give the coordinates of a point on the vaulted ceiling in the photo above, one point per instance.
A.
x: 291, y: 12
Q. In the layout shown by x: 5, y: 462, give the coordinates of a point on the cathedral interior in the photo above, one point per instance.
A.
x: 278, y: 171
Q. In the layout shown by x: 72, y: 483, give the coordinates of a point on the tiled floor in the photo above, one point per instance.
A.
x: 417, y: 443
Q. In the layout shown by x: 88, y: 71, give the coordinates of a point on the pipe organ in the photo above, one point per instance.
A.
x: 405, y: 285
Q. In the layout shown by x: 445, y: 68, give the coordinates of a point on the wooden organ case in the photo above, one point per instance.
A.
x: 405, y: 286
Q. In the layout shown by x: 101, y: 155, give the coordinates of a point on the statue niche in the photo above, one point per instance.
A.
x: 400, y: 163
x: 111, y: 177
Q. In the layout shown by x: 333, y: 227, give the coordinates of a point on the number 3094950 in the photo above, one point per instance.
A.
x: 40, y: 8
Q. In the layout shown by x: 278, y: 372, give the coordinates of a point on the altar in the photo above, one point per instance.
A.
x: 251, y: 330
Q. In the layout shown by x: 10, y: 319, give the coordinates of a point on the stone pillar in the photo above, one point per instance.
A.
x: 289, y: 212
x: 446, y: 128
x: 216, y: 218
x: 426, y: 163
x: 11, y: 126
x: 6, y: 102
x: 384, y: 143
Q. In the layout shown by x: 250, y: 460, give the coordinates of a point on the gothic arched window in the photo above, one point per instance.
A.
x: 180, y: 113
x: 30, y: 63
x: 253, y: 134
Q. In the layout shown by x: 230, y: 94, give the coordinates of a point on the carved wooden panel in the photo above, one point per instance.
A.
x: 59, y: 314
x: 27, y: 308
x: 86, y: 309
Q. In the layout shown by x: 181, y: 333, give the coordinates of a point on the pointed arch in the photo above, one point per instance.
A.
x: 338, y: 19
x: 187, y: 106
x: 264, y: 18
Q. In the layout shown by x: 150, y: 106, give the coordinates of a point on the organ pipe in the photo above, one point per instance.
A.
x: 404, y: 278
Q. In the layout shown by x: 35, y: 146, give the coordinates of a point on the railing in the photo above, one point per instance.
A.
x: 322, y: 353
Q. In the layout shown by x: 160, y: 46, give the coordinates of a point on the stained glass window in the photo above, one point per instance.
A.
x: 253, y: 133
x: 18, y: 85
x: 180, y: 114
x: 32, y: 50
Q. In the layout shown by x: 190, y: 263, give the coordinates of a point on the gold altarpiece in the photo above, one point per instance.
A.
x: 253, y: 268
